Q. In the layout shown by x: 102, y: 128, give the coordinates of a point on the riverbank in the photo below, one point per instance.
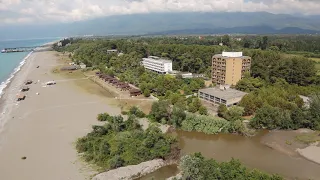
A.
x: 296, y: 143
x: 133, y: 171
x: 43, y: 127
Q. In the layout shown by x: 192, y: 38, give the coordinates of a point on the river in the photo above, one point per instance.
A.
x: 249, y: 151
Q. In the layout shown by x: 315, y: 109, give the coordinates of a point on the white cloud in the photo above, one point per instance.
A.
x: 74, y: 10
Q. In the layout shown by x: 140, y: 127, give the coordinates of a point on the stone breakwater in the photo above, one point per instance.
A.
x: 132, y: 172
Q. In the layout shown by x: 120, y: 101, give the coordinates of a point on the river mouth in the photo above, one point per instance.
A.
x: 249, y: 150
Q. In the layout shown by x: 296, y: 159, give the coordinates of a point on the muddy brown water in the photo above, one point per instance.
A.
x: 249, y: 151
x: 162, y: 173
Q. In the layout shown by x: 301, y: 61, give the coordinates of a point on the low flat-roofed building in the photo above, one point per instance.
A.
x: 221, y: 95
x: 157, y: 64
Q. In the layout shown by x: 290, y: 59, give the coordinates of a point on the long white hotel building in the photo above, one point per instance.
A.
x: 156, y: 64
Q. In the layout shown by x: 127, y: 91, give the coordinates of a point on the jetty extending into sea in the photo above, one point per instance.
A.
x: 25, y: 49
x: 17, y: 49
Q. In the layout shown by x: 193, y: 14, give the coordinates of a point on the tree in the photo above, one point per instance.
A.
x: 222, y: 109
x: 134, y: 110
x: 271, y: 118
x: 249, y: 104
x: 116, y: 162
x: 178, y: 116
x: 247, y: 43
x: 160, y: 110
x: 194, y: 105
x: 146, y: 93
x: 264, y: 43
x: 103, y: 117
x: 196, y: 167
x: 250, y: 84
x: 205, y: 124
x: 226, y: 40
x: 131, y: 123
x: 315, y: 111
x: 203, y: 110
x: 110, y: 146
x: 234, y: 113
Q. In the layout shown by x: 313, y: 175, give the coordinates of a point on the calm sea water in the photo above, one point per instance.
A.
x: 10, y: 62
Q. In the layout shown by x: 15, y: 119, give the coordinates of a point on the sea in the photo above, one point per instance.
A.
x: 10, y: 63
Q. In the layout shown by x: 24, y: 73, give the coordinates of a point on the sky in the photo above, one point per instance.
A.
x: 44, y: 11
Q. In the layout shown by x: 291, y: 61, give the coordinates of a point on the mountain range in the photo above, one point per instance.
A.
x: 173, y: 23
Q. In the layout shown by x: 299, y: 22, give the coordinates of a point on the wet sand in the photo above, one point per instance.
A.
x: 44, y: 127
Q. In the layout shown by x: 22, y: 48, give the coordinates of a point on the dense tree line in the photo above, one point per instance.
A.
x: 191, y: 115
x: 274, y: 117
x: 167, y: 112
x: 267, y: 63
x: 278, y: 105
x: 120, y: 143
x: 284, y: 43
x: 270, y: 65
x: 196, y: 167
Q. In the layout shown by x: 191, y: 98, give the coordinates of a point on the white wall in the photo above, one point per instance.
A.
x: 157, y: 65
x: 167, y: 67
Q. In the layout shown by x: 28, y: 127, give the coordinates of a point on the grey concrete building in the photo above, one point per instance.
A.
x: 221, y: 95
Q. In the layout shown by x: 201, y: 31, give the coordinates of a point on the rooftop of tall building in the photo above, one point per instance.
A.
x: 232, y: 55
x: 155, y: 58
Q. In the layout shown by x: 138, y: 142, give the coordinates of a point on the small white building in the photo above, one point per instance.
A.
x: 157, y: 64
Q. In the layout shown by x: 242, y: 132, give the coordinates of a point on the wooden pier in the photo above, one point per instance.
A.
x: 21, y: 49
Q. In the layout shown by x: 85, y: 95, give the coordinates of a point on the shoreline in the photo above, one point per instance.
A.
x: 44, y: 126
x: 5, y: 83
x: 285, y: 142
x: 134, y: 171
x: 5, y: 97
x: 16, y: 70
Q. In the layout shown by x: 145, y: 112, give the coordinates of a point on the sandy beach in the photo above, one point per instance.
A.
x: 44, y: 127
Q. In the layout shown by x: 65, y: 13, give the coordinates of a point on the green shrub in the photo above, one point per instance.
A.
x: 146, y: 93
x: 197, y: 167
x: 134, y: 110
x: 121, y: 143
x: 124, y: 112
x: 203, y: 110
x: 103, y: 117
x: 206, y: 124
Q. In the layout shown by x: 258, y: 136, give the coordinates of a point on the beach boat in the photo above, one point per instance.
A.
x: 21, y: 97
x: 28, y: 82
x: 25, y: 88
x: 3, y: 51
x: 50, y: 83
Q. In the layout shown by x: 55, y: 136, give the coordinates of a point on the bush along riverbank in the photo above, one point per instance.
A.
x: 196, y: 167
x: 121, y: 143
x: 231, y: 120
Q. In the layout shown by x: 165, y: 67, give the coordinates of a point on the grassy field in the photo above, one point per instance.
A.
x: 317, y: 60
